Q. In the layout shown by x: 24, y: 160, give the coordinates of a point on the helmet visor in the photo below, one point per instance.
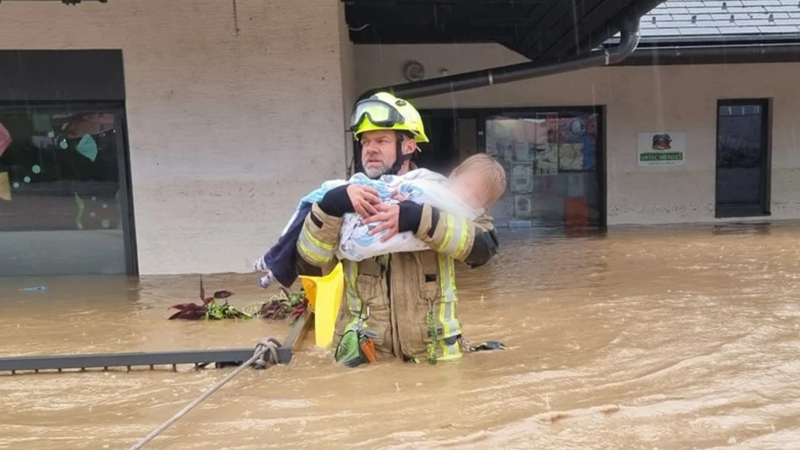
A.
x: 379, y: 113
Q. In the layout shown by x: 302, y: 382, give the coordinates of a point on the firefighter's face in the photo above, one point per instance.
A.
x: 379, y: 152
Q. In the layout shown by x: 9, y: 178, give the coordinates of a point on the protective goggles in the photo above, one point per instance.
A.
x: 380, y: 114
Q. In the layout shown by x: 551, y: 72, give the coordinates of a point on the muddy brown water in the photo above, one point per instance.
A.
x: 684, y: 338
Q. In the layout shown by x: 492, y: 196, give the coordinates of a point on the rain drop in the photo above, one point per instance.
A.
x: 27, y: 179
x: 92, y: 214
x: 36, y: 169
x: 105, y: 206
x: 105, y: 223
x: 16, y: 185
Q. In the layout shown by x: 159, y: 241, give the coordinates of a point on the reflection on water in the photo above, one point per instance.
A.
x: 637, y: 339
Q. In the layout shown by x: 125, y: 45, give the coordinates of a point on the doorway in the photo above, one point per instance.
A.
x: 441, y: 153
x: 743, y: 158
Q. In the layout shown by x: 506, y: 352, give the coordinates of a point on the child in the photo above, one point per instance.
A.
x: 473, y: 186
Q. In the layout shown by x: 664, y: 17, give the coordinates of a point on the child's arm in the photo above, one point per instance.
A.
x: 472, y: 242
x: 435, y: 192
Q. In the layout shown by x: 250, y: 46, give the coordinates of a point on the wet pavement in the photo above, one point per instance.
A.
x: 651, y: 338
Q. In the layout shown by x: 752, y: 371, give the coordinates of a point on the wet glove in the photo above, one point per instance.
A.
x: 410, y: 216
x: 336, y: 202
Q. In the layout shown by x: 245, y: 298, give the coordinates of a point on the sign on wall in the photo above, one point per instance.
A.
x: 666, y: 148
x: 522, y: 177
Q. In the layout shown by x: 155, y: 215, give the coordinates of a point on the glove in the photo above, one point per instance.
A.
x: 410, y: 216
x: 337, y: 202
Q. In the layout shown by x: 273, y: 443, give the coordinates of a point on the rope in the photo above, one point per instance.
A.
x: 267, y: 345
x: 266, y: 352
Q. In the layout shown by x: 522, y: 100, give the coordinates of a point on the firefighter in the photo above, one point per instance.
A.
x: 405, y: 303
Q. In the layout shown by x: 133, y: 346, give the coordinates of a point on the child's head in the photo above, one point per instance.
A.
x: 479, y: 180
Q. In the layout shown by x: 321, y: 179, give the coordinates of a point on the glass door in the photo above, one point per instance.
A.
x: 63, y: 191
x: 553, y: 165
x: 743, y: 162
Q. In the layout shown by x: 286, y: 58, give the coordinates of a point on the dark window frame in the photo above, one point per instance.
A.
x: 61, y: 75
x: 117, y: 108
x: 722, y: 210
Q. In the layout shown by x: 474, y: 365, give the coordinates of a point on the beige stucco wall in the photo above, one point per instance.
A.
x: 638, y: 99
x: 214, y: 119
x: 349, y: 94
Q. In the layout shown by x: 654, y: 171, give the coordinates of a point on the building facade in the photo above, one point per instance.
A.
x: 691, y: 103
x: 226, y: 130
x: 190, y: 149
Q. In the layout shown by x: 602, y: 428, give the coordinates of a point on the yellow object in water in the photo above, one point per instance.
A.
x: 324, y: 297
x: 5, y: 187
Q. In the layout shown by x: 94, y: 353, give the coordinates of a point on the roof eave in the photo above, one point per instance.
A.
x: 715, y: 40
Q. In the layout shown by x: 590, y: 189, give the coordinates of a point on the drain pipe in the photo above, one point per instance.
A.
x: 710, y: 54
x: 506, y: 74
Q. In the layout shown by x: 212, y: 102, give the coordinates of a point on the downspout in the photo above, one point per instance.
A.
x: 629, y: 40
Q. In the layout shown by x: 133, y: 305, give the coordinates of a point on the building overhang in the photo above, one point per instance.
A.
x: 549, y: 31
x: 687, y: 50
x: 541, y: 30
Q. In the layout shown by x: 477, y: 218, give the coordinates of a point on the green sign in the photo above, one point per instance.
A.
x: 661, y: 148
x: 674, y: 156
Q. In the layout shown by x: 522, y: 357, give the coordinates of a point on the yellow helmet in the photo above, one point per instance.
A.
x: 384, y: 111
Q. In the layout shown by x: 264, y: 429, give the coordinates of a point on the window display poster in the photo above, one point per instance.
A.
x: 577, y: 139
x: 513, y: 139
x: 552, y: 121
x: 547, y: 160
x: 5, y: 187
x: 523, y: 206
x: 521, y: 178
x: 5, y: 139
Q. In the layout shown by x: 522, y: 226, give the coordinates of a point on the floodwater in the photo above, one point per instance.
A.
x: 684, y: 338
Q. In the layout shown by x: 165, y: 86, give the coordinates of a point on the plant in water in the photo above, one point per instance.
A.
x: 208, y: 309
x: 286, y: 305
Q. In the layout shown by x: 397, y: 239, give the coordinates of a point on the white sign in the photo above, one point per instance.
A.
x: 664, y: 148
x: 521, y: 178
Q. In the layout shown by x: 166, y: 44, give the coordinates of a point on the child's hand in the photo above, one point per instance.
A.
x: 398, y: 196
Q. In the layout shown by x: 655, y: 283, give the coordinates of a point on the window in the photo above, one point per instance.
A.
x: 554, y: 166
x: 553, y: 157
x: 743, y: 158
x: 63, y: 197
